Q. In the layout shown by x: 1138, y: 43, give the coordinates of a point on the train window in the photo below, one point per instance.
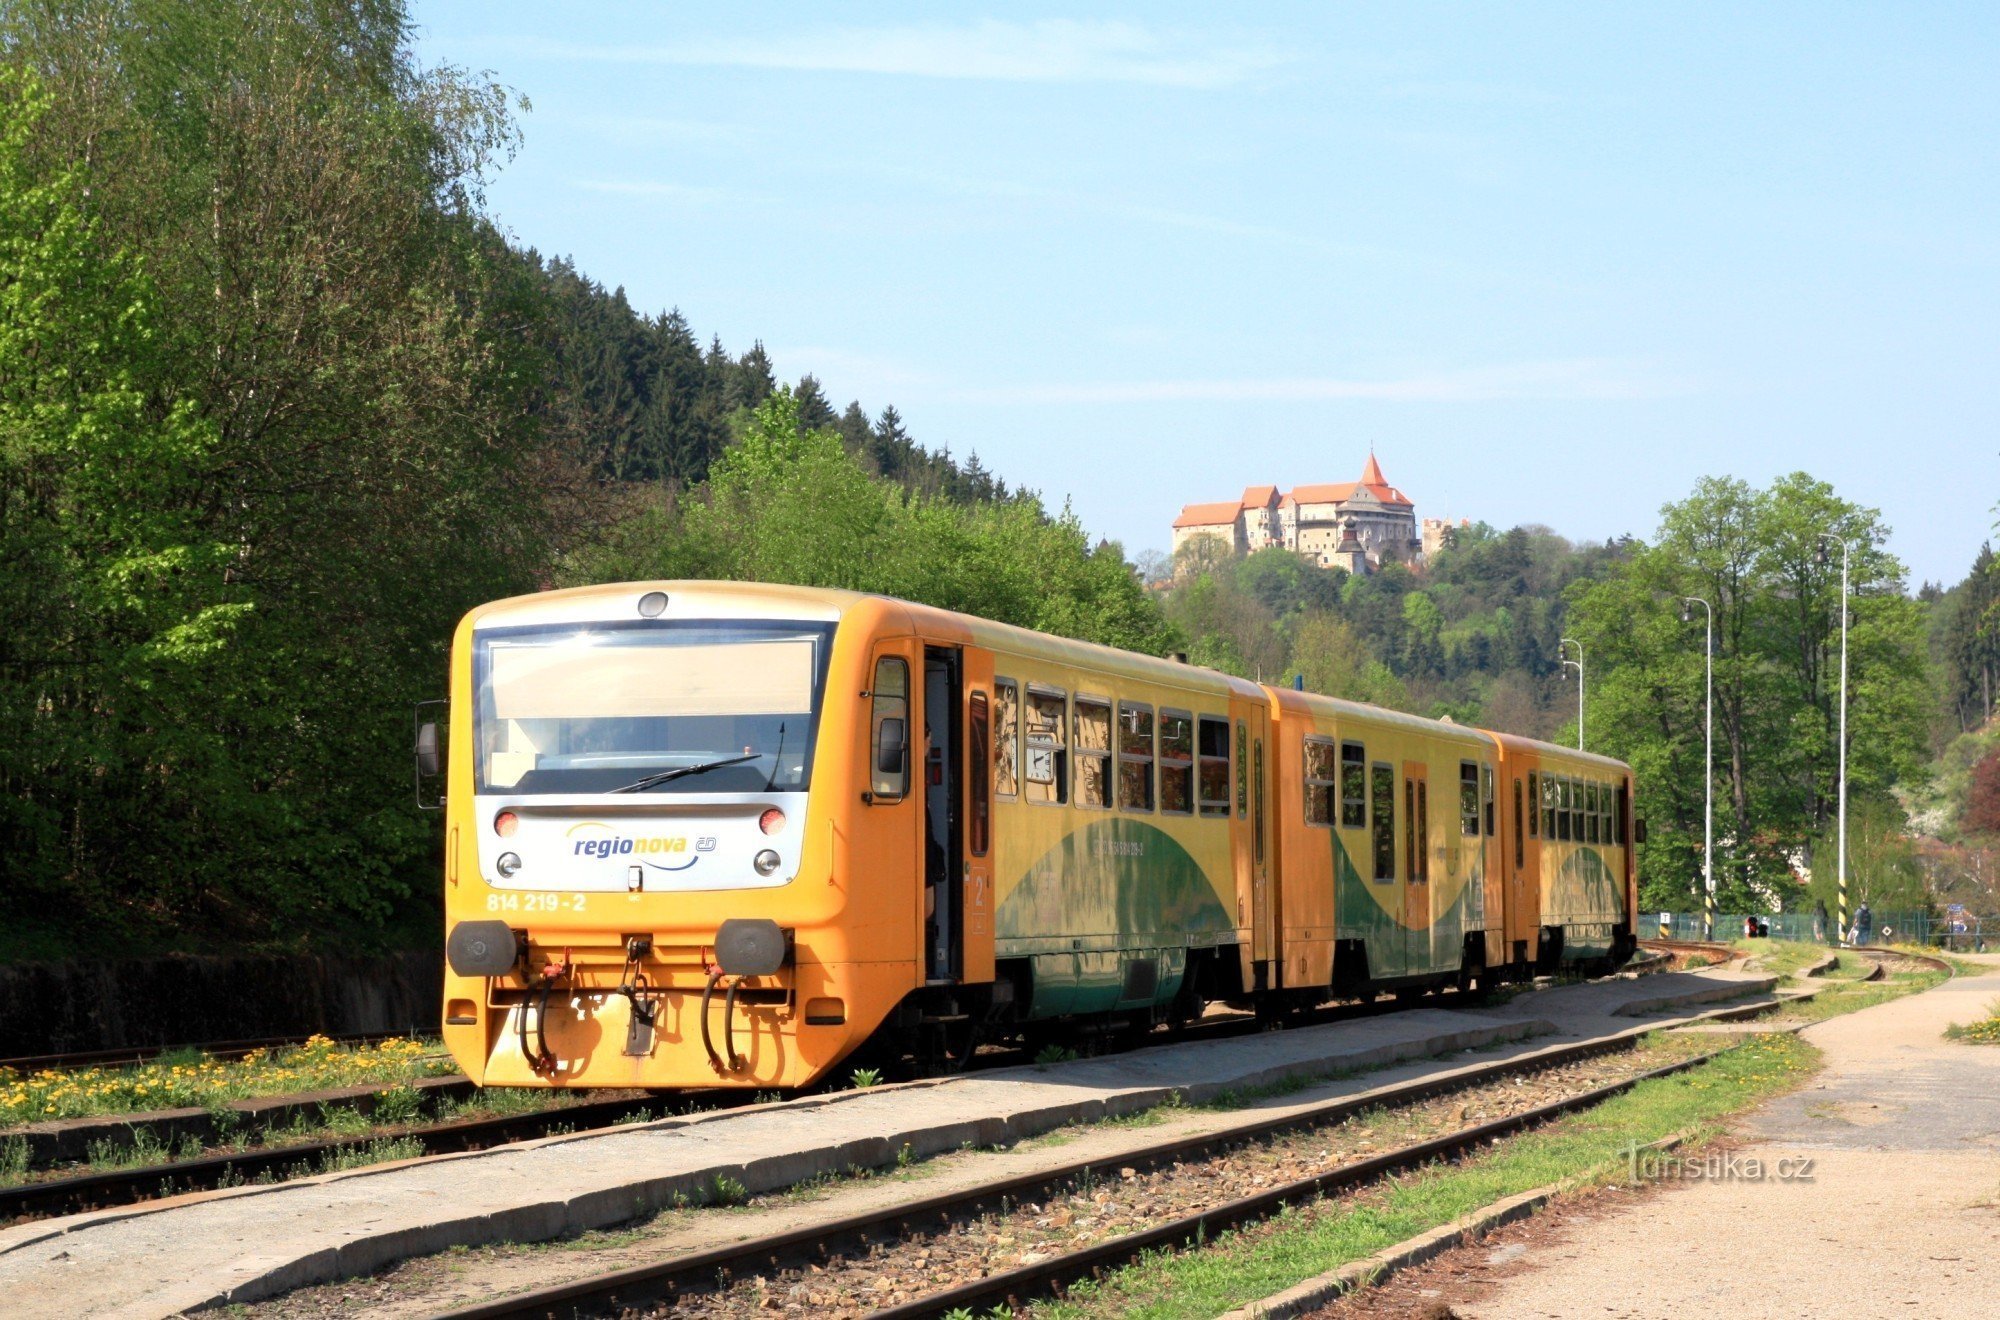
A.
x: 1576, y: 810
x: 1242, y: 769
x: 1382, y: 794
x: 1563, y: 832
x: 1468, y: 798
x: 1135, y: 757
x: 1006, y: 738
x: 1534, y: 804
x: 1257, y: 825
x: 1549, y: 807
x: 980, y: 742
x: 1520, y: 842
x: 1214, y: 777
x: 1176, y: 762
x: 1486, y: 785
x: 1423, y: 831
x: 1092, y: 750
x: 1322, y: 784
x: 1353, y: 786
x: 889, y: 730
x: 1591, y: 817
x: 1618, y: 811
x: 1044, y: 776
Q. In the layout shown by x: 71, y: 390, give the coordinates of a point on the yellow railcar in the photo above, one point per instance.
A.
x: 707, y: 833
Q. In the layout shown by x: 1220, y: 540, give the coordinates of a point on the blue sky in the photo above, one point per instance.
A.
x: 1553, y: 262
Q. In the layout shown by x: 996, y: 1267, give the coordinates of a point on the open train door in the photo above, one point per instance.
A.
x: 944, y: 815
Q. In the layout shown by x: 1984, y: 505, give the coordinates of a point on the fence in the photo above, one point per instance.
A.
x: 1967, y: 932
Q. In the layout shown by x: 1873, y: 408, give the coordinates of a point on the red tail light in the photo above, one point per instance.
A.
x: 505, y: 824
x: 771, y: 821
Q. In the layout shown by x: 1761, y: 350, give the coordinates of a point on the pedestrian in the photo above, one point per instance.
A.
x: 1864, y: 923
x: 1819, y: 921
x: 1749, y: 928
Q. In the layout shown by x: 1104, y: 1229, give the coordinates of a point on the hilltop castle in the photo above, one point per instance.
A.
x: 1352, y: 524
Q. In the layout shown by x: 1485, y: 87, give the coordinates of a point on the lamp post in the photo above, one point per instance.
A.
x: 1708, y: 760
x: 1577, y: 665
x: 1820, y: 555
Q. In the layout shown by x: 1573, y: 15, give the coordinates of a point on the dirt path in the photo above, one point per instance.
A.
x: 1900, y: 1214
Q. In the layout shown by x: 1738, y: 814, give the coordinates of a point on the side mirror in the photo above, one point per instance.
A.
x: 892, y: 747
x: 1639, y: 830
x: 427, y: 749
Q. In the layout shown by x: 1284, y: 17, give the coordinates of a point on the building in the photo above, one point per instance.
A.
x: 1351, y: 524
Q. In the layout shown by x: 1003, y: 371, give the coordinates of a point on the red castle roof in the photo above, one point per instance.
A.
x: 1208, y: 515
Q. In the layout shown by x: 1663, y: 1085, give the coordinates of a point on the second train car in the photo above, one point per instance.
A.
x: 727, y: 834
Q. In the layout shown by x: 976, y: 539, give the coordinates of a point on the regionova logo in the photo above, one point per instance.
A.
x: 662, y: 852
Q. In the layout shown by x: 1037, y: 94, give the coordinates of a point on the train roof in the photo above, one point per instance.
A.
x: 1548, y: 751
x: 775, y: 600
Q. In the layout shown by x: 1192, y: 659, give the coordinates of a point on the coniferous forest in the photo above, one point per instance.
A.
x: 279, y: 402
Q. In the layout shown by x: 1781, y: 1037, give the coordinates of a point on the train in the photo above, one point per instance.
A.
x: 726, y: 834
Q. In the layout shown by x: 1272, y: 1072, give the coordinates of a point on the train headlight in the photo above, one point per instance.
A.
x: 766, y: 862
x: 507, y: 864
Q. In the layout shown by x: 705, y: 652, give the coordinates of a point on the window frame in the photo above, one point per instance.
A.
x: 1030, y: 742
x: 1163, y: 763
x: 979, y: 719
x: 1468, y: 799
x: 1205, y: 806
x: 1320, y: 790
x: 1592, y: 822
x: 1077, y: 701
x: 1148, y: 758
x: 1520, y: 839
x: 879, y: 711
x: 1011, y: 731
x: 1534, y: 804
x: 1359, y: 764
x: 1486, y: 798
x: 1382, y: 824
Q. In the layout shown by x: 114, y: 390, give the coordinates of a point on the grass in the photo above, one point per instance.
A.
x: 1244, y: 1266
x: 1986, y: 1031
x: 186, y: 1080
x: 1850, y: 996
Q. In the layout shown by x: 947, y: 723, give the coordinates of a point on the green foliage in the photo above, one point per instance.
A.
x: 791, y: 504
x: 1751, y: 554
x: 1471, y: 635
x: 863, y: 1078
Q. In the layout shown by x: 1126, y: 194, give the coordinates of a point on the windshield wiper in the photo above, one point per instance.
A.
x: 663, y: 776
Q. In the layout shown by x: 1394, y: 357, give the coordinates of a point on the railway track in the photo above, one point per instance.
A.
x: 102, y: 1190
x: 684, y: 1280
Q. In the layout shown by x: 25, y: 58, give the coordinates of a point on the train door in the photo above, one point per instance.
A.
x: 1524, y: 899
x: 944, y: 848
x: 1263, y: 937
x: 1418, y: 955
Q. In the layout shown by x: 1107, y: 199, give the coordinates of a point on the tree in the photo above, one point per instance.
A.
x: 1751, y: 555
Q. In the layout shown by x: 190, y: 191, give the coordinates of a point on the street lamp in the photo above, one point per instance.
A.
x: 1577, y: 665
x: 1708, y: 761
x: 1820, y: 557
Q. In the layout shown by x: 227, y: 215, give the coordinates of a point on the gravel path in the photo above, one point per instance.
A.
x: 1901, y: 1215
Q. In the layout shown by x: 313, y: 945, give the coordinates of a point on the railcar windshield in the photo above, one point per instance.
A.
x: 604, y: 707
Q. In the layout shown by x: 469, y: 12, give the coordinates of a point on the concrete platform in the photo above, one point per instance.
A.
x: 1870, y: 1191
x: 247, y: 1243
